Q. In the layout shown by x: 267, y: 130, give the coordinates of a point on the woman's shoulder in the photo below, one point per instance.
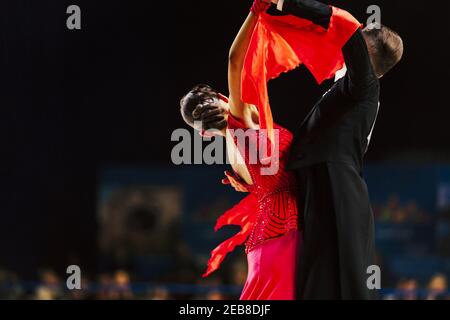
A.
x: 235, y: 122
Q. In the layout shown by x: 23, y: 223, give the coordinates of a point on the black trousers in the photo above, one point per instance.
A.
x: 338, y: 233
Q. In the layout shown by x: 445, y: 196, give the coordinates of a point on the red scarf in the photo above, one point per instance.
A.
x: 282, y: 43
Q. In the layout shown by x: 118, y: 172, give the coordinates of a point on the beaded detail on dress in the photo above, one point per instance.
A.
x: 270, y: 209
x: 276, y: 193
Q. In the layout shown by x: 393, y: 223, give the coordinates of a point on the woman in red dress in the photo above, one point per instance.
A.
x: 268, y: 216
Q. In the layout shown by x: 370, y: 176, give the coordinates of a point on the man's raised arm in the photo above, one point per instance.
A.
x: 312, y: 10
x: 359, y: 67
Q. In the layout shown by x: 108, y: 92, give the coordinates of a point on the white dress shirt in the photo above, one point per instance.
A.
x: 280, y: 5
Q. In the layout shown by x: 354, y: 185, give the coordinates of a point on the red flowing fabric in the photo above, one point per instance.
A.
x: 243, y: 215
x: 282, y: 43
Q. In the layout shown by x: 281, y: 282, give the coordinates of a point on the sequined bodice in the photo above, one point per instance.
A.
x: 273, y: 186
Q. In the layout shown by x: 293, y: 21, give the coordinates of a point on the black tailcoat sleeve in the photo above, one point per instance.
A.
x: 311, y: 10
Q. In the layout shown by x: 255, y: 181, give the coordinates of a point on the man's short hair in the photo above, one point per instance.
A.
x: 385, y: 47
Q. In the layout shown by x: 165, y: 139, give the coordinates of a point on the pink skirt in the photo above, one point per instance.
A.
x: 272, y: 269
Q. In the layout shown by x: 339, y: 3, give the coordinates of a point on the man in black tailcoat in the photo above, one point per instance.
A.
x: 327, y: 156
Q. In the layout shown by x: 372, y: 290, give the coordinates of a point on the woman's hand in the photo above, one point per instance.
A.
x: 260, y: 6
x: 238, y: 186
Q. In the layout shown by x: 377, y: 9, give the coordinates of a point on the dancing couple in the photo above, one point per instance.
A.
x: 308, y: 228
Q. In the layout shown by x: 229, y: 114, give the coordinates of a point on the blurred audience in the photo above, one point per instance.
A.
x: 50, y: 287
x: 181, y: 277
x: 437, y: 288
x: 121, y: 288
x: 118, y: 285
x: 160, y: 293
x: 395, y: 211
x: 408, y: 289
x: 10, y: 287
x: 215, y: 295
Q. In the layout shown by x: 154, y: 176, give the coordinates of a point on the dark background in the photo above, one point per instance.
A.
x: 73, y: 102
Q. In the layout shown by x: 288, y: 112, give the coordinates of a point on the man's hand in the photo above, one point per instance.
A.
x: 239, y: 187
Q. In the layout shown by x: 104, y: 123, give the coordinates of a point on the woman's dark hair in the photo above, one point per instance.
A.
x: 386, y: 47
x: 200, y: 104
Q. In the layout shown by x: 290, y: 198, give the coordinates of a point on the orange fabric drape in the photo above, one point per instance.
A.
x: 282, y: 43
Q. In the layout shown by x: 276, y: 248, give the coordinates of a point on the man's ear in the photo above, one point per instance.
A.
x: 223, y: 98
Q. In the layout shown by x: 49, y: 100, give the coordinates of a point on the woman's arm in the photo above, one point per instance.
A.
x: 235, y: 65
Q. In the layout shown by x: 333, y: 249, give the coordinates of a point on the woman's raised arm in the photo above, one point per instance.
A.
x: 236, y: 60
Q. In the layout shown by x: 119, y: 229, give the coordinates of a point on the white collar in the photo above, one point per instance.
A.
x: 340, y: 73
